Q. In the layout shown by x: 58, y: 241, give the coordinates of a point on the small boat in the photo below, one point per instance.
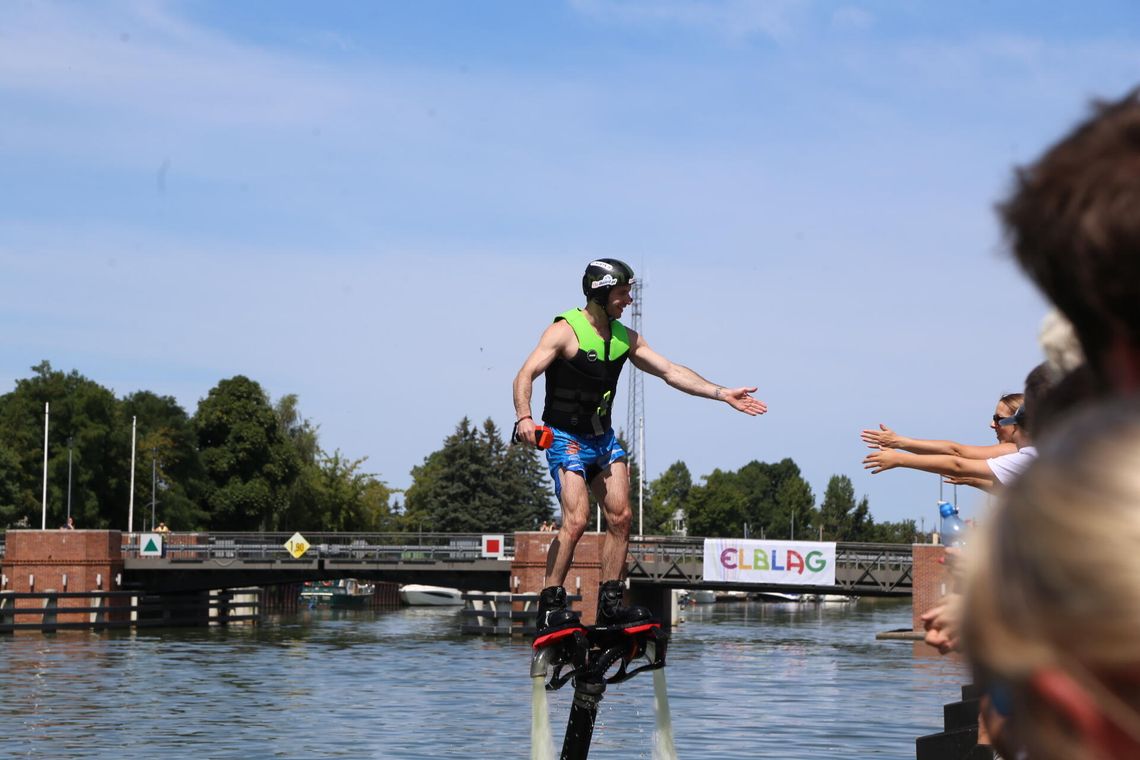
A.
x: 701, y: 596
x: 418, y: 594
x: 345, y: 593
x: 777, y: 596
x: 835, y: 598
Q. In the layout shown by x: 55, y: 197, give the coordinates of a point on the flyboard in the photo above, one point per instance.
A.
x: 592, y: 658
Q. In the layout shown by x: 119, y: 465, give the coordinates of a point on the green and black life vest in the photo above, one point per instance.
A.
x: 580, y: 391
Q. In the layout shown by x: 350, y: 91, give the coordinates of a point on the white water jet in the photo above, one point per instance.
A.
x: 541, y: 743
x: 663, y: 748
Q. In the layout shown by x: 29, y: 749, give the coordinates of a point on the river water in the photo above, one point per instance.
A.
x: 744, y: 680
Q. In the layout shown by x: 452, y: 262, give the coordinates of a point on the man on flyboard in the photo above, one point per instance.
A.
x: 582, y: 354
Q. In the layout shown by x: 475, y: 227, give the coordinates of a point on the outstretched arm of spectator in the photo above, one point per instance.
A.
x: 985, y: 484
x: 942, y: 464
x: 886, y: 438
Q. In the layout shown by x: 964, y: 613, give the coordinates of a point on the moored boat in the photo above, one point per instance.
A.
x: 422, y: 595
x: 345, y: 593
x: 777, y: 596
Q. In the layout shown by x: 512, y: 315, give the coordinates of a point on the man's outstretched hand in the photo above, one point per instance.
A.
x: 741, y: 400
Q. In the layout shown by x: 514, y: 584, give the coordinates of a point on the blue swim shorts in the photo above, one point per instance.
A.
x: 586, y: 455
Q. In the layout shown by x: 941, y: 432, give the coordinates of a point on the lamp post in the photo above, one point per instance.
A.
x: 153, y: 481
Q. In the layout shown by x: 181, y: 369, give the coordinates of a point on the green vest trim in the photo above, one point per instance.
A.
x: 589, y: 340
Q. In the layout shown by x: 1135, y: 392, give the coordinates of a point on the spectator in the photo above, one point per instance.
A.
x: 1052, y: 597
x: 1007, y: 406
x: 1003, y: 468
x: 1073, y: 223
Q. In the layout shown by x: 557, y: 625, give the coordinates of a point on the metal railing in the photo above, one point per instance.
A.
x: 368, y: 547
x: 881, y: 568
x: 101, y: 610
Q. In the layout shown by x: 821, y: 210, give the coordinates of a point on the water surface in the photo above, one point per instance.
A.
x: 745, y: 680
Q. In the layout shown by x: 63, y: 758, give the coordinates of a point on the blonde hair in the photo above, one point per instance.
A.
x: 1054, y: 577
x: 1012, y: 400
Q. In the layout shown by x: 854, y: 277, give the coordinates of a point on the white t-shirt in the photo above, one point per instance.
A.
x: 1007, y: 467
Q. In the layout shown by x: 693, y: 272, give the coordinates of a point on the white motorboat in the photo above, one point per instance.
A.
x: 835, y: 598
x: 438, y: 596
x: 777, y: 596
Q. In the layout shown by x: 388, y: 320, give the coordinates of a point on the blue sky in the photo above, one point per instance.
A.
x: 379, y: 206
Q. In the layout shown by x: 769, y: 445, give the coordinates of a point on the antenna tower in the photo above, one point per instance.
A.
x: 635, y: 415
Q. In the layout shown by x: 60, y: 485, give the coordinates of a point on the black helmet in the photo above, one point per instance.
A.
x: 602, y: 276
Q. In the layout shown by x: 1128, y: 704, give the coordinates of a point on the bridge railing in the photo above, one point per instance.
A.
x: 376, y: 547
x: 863, y: 568
x: 691, y: 549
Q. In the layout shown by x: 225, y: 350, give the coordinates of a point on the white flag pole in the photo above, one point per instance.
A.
x: 47, y: 407
x: 131, y: 506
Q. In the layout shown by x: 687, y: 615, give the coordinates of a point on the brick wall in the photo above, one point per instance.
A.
x: 932, y: 579
x: 529, y: 567
x: 42, y: 560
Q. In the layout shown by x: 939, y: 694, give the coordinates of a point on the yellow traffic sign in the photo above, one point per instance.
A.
x: 297, y: 545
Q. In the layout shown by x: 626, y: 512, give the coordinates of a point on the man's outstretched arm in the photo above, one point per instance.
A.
x: 684, y: 379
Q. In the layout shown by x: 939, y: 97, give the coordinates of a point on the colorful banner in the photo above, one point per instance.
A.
x: 808, y: 563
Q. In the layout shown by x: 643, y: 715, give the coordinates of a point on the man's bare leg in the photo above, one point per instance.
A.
x: 575, y: 514
x: 611, y: 488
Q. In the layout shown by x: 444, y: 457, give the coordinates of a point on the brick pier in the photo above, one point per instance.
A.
x: 63, y: 561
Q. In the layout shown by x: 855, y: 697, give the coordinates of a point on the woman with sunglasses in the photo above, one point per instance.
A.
x: 1052, y: 595
x: 1003, y: 469
x: 1007, y: 406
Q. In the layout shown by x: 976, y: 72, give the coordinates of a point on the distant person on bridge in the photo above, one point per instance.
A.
x: 582, y: 355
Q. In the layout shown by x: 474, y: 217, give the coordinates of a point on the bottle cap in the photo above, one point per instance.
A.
x: 946, y: 509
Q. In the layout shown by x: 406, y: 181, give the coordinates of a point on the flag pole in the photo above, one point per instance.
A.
x: 47, y: 408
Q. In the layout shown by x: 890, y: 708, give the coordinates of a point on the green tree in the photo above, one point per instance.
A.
x: 901, y: 532
x: 762, y: 496
x: 167, y: 465
x: 349, y: 499
x: 10, y: 496
x: 85, y: 415
x: 249, y: 462
x: 524, y: 488
x: 843, y: 519
x: 794, y: 499
x: 306, y: 506
x: 476, y: 483
x: 667, y: 496
x: 719, y: 506
x: 451, y: 491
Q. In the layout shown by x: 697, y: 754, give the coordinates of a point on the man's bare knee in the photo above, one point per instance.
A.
x: 574, y: 527
x: 619, y: 522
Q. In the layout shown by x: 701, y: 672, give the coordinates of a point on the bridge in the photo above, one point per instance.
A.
x: 201, y: 561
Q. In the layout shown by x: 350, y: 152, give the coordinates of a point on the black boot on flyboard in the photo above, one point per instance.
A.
x: 613, y: 615
x: 555, y: 618
x: 560, y: 644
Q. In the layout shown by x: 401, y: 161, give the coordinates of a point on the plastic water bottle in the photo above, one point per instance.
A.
x: 953, y: 527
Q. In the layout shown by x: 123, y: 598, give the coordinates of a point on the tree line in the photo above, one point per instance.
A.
x: 244, y: 462
x: 239, y: 462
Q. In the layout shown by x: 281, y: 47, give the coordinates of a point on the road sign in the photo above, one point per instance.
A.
x: 297, y: 545
x: 150, y: 545
x: 493, y: 546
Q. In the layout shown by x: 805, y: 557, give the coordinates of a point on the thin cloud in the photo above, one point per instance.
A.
x: 731, y: 19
